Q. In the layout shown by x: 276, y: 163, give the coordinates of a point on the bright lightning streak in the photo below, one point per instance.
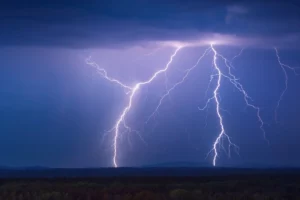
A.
x: 128, y: 107
x: 216, y: 93
x: 218, y: 109
x: 132, y: 91
x: 216, y: 97
x: 286, y: 79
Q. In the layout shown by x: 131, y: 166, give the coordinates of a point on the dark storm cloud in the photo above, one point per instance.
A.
x: 97, y: 23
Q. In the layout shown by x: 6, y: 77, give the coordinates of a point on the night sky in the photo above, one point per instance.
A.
x: 55, y: 109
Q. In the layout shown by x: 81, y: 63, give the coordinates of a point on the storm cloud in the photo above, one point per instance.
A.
x: 93, y: 24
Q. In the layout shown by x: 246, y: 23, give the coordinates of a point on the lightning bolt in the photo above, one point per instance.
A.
x: 286, y: 79
x: 218, y: 74
x: 132, y: 92
x: 216, y: 97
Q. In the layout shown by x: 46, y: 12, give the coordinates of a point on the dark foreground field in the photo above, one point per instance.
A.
x: 149, y: 184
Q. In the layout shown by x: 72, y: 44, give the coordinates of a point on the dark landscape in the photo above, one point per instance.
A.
x: 149, y: 183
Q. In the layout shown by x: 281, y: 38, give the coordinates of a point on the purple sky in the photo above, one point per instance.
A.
x: 54, y: 107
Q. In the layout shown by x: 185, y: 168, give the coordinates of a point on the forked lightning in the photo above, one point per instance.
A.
x: 219, y: 74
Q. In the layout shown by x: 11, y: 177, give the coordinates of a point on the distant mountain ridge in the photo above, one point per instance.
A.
x: 24, y: 168
x: 179, y: 164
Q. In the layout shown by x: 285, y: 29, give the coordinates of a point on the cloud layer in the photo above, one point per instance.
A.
x: 113, y: 23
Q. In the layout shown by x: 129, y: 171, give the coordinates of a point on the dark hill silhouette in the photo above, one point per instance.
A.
x: 179, y: 164
x: 24, y: 168
x: 137, y: 172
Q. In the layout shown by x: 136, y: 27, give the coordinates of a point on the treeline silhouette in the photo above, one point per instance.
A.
x: 254, y: 187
